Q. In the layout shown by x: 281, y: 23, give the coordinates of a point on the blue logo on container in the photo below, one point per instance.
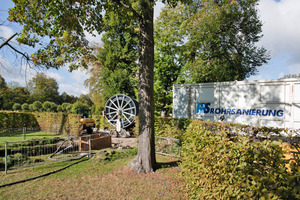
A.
x: 205, y: 108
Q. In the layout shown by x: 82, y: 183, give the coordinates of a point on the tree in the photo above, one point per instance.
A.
x: 221, y: 40
x: 79, y: 105
x: 59, y: 108
x: 47, y: 106
x: 114, y: 69
x: 31, y: 107
x: 20, y: 95
x: 17, y: 106
x: 212, y: 40
x: 4, y: 95
x: 169, y: 58
x: 53, y: 107
x: 37, y: 106
x: 44, y: 88
x: 66, y: 22
x: 65, y: 98
x: 64, y: 106
x: 25, y: 107
x: 84, y: 98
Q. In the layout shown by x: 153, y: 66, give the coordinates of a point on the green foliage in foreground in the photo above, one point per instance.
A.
x: 218, y: 167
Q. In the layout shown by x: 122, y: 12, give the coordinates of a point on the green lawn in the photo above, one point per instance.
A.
x: 95, y: 179
x: 15, y: 137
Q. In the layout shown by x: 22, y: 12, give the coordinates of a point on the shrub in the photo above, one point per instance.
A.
x: 25, y: 107
x: 215, y: 166
x: 47, y: 106
x: 17, y: 106
x: 37, y: 106
x: 167, y: 127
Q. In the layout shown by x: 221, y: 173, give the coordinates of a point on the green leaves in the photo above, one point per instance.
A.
x: 59, y: 27
x: 215, y: 40
x: 215, y: 166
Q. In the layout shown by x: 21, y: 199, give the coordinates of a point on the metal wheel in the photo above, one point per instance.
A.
x: 113, y: 133
x: 122, y: 105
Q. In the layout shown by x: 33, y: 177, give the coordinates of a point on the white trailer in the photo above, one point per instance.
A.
x: 271, y: 103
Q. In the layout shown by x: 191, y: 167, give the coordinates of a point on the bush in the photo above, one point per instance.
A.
x: 215, y: 166
x: 17, y: 106
x: 47, y: 106
x: 167, y: 127
x: 25, y: 107
x: 37, y: 106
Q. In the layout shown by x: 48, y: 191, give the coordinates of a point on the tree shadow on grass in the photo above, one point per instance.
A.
x: 171, y: 164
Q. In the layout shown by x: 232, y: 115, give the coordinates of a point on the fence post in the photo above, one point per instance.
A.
x: 5, y: 157
x: 90, y: 146
x: 24, y: 133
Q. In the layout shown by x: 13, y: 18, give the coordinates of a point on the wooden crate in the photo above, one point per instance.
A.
x: 98, y: 142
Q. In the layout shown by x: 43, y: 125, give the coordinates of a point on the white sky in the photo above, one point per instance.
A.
x: 281, y: 38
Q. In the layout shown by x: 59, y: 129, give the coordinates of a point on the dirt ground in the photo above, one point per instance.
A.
x: 124, y: 142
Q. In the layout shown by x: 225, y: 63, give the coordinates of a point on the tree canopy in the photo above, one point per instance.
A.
x: 221, y: 39
x: 206, y: 41
x: 114, y: 68
x: 65, y: 23
x: 44, y: 88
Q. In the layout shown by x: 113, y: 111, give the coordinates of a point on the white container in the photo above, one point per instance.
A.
x: 272, y: 103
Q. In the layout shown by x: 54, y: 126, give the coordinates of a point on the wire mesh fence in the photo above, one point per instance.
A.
x: 28, y: 153
x: 168, y: 146
x: 17, y: 154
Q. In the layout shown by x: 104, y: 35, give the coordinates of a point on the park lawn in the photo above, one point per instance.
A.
x: 16, y: 137
x: 96, y: 180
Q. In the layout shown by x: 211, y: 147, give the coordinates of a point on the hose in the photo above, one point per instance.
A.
x: 43, y: 175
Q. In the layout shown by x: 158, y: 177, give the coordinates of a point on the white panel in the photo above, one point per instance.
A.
x: 228, y: 96
x: 204, y: 94
x: 296, y: 108
x: 296, y: 92
x: 272, y: 93
x: 180, y: 102
x: 247, y: 95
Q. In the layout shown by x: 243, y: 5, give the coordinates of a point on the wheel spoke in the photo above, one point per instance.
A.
x: 111, y: 108
x: 128, y: 113
x: 132, y: 108
x: 114, y: 104
x: 118, y: 101
x: 122, y: 102
x: 110, y: 113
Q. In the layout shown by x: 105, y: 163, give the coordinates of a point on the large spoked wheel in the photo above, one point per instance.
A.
x: 120, y: 106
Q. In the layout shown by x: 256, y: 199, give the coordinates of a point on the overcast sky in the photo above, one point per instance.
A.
x: 281, y: 38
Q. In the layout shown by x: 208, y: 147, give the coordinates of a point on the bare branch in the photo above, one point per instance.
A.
x: 23, y: 54
x: 6, y: 42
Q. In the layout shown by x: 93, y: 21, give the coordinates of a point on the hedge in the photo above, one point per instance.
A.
x: 17, y: 120
x: 217, y: 165
x: 67, y: 124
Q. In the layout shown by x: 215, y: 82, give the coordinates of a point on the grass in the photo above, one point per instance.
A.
x: 15, y: 137
x: 95, y: 179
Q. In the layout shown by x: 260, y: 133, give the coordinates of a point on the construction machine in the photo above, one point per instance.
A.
x: 86, y: 121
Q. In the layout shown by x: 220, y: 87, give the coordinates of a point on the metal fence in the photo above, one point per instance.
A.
x: 168, y: 146
x: 32, y: 152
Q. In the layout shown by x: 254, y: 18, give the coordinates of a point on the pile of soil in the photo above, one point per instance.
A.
x: 124, y: 142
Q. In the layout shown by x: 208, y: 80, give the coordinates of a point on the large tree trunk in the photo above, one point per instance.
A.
x: 145, y: 161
